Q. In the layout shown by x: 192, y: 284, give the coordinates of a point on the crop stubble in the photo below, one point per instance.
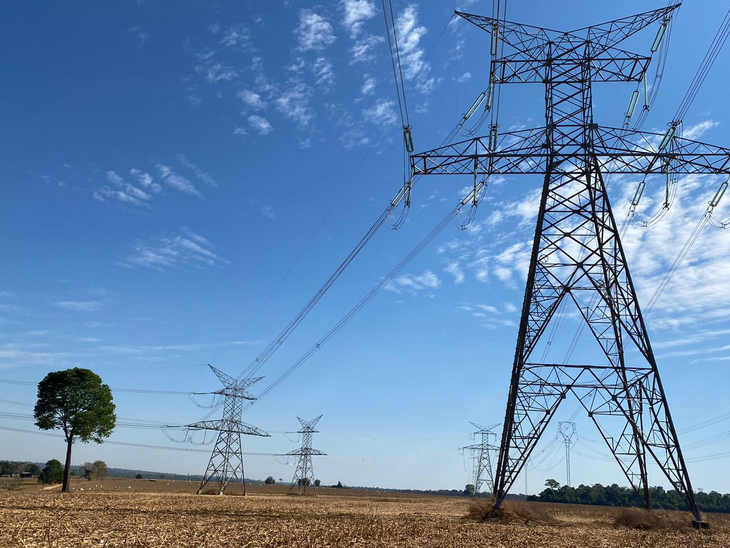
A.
x: 45, y: 519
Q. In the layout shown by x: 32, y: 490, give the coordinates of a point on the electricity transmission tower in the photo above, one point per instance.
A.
x: 577, y: 255
x: 567, y: 430
x: 304, y: 473
x: 226, y: 460
x: 481, y: 456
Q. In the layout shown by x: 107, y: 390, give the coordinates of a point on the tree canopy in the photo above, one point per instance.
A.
x: 78, y: 403
x: 52, y: 472
x: 95, y: 470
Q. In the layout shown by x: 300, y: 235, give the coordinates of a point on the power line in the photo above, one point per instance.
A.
x: 705, y: 66
x: 373, y: 292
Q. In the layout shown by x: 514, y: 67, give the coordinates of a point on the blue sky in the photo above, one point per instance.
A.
x: 164, y: 166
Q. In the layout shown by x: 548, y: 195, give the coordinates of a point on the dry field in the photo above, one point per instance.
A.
x: 167, y: 515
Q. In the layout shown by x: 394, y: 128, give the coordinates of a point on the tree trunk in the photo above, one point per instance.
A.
x: 67, y: 468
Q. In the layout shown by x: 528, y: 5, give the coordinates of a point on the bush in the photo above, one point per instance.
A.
x: 648, y: 520
x: 511, y: 512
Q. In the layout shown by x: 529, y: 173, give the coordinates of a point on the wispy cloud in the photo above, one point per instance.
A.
x: 381, y: 113
x: 454, y: 268
x: 199, y: 173
x: 368, y: 85
x: 142, y: 36
x: 295, y: 103
x: 260, y: 124
x: 178, y: 182
x: 146, y: 180
x: 13, y: 354
x: 698, y: 130
x: 265, y: 209
x: 237, y: 36
x: 251, y: 99
x: 323, y: 73
x: 314, y: 32
x: 410, y: 33
x: 80, y: 306
x: 216, y: 72
x: 356, y: 14
x: 415, y: 283
x: 186, y: 249
x: 188, y: 347
x: 121, y: 191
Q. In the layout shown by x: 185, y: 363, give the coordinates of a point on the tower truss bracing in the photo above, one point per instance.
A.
x: 481, y: 455
x: 226, y: 461
x: 304, y: 472
x: 577, y: 255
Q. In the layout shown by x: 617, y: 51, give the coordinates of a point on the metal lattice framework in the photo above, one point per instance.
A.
x: 226, y: 460
x: 304, y: 473
x: 481, y: 456
x: 577, y: 255
x: 567, y: 430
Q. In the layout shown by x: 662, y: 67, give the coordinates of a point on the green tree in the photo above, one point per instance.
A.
x: 270, y: 480
x: 303, y: 482
x: 317, y: 483
x: 77, y: 402
x: 139, y: 476
x: 52, y: 472
x: 469, y: 490
x: 33, y: 469
x: 95, y: 470
x: 552, y: 484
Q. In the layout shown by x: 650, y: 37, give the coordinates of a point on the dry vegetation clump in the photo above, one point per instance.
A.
x: 654, y: 520
x: 512, y: 511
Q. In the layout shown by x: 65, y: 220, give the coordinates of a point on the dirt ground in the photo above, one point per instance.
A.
x: 143, y: 513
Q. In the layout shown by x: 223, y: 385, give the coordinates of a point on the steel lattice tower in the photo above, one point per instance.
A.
x: 481, y: 455
x: 304, y: 472
x: 567, y: 430
x: 226, y: 460
x: 577, y: 254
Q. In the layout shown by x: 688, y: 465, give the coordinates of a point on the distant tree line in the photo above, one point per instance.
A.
x: 615, y: 495
x: 11, y: 468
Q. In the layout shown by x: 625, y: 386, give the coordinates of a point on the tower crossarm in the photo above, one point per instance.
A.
x: 234, y: 427
x: 533, y: 41
x: 610, y: 33
x: 616, y: 150
x: 618, y: 66
x: 234, y: 392
x: 305, y: 451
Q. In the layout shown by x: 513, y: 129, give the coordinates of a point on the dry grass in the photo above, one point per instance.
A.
x: 122, y: 517
x: 512, y: 512
x: 639, y: 518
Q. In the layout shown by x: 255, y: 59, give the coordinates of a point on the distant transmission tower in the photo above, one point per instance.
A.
x: 577, y: 255
x: 481, y: 456
x: 304, y: 473
x: 567, y: 430
x: 226, y: 461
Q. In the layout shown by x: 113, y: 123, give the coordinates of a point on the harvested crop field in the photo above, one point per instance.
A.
x: 36, y: 518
